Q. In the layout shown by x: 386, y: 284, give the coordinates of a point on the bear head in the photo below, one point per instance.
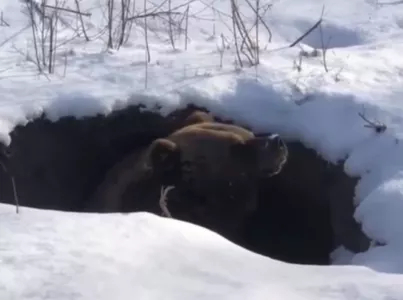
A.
x: 211, y: 159
x: 264, y: 156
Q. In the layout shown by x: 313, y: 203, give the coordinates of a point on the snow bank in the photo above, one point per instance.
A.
x: 54, y: 255
x: 316, y: 107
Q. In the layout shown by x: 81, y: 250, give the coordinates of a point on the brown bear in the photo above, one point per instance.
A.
x: 198, y: 116
x: 213, y: 166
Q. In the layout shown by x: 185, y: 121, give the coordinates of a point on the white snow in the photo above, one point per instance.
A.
x: 53, y: 255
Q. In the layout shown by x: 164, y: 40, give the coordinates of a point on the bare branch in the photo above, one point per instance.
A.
x: 170, y: 21
x: 123, y: 22
x: 111, y: 4
x: 2, y: 21
x: 309, y: 30
x: 378, y: 127
x: 82, y: 21
x: 16, y: 201
x: 152, y: 14
x: 147, y: 53
x: 186, y: 27
x: 246, y: 40
x: 33, y: 26
x: 77, y: 12
x: 256, y: 11
x: 257, y: 32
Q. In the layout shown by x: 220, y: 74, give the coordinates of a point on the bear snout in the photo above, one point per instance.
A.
x: 277, y: 141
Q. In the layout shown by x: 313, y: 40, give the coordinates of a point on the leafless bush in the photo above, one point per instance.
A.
x: 249, y: 46
x: 120, y: 16
x: 45, y: 25
x: 238, y: 27
x: 177, y: 21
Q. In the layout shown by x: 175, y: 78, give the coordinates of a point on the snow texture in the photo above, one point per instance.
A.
x: 54, y: 255
x: 63, y: 256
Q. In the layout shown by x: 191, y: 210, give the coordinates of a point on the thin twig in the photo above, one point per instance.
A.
x: 309, y: 30
x: 43, y: 36
x: 170, y: 22
x: 32, y: 17
x: 186, y: 27
x: 260, y: 17
x: 16, y: 201
x: 244, y: 34
x: 257, y: 33
x: 152, y: 14
x: 65, y: 65
x: 163, y: 200
x: 378, y: 127
x: 235, y: 35
x: 2, y: 21
x: 324, y: 47
x: 77, y: 12
x: 82, y: 21
x: 4, y: 42
x: 222, y: 50
x: 147, y: 54
x: 110, y: 23
x: 133, y: 9
x: 51, y: 47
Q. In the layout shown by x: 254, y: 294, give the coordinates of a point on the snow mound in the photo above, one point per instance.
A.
x: 141, y: 255
x: 308, y: 103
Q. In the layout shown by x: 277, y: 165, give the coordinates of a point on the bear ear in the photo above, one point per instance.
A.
x: 165, y: 157
x: 197, y: 117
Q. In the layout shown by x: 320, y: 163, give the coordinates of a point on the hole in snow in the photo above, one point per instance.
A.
x: 303, y: 214
x: 331, y: 36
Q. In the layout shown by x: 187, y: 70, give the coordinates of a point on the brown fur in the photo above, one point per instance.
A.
x: 220, y: 166
x: 207, y: 144
x: 225, y: 146
x: 132, y: 168
x: 217, y: 164
x: 197, y: 117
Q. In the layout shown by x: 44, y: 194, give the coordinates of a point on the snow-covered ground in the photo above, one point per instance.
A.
x: 53, y: 255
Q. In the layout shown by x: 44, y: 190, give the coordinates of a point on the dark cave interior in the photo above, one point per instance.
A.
x: 57, y: 165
